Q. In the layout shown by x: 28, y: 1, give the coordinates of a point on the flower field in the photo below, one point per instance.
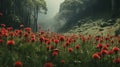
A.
x: 24, y: 48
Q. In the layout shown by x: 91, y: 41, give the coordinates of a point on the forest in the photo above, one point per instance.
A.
x: 16, y: 12
x: 26, y: 11
x: 87, y: 33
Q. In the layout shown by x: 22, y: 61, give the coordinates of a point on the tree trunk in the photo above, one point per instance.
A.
x: 115, y: 8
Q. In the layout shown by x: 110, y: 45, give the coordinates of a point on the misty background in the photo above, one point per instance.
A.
x: 47, y: 21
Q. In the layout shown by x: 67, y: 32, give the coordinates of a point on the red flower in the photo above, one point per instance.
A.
x: 56, y: 41
x: 112, y: 41
x: 33, y: 39
x: 62, y: 38
x: 28, y: 29
x: 18, y: 32
x: 96, y: 56
x: 42, y: 32
x: 49, y: 64
x: 10, y: 42
x: 48, y: 42
x: 115, y: 49
x: 11, y: 34
x: 18, y: 64
x: 54, y: 53
x: 77, y: 46
x: 118, y: 41
x: 1, y: 41
x: 97, y: 39
x: 99, y: 46
x: 103, y: 52
x: 107, y: 45
x: 101, y: 40
x: 62, y: 61
x: 83, y: 39
x: 70, y: 50
x: 110, y: 52
x: 26, y: 34
x: 33, y: 36
x: 9, y: 28
x: 107, y: 38
x: 42, y: 39
x: 3, y: 25
x: 105, y: 48
x: 67, y: 43
x: 117, y: 60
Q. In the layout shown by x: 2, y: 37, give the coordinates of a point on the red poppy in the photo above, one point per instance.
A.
x: 26, y: 34
x: 49, y: 64
x: 70, y: 50
x: 104, y: 52
x: 101, y: 40
x: 107, y: 38
x: 11, y: 34
x: 67, y: 43
x: 110, y: 52
x: 105, y: 48
x: 56, y: 41
x: 1, y: 41
x: 115, y: 49
x: 96, y: 56
x: 42, y: 32
x: 42, y: 39
x: 97, y: 39
x: 48, y: 42
x: 18, y: 64
x: 9, y: 28
x: 33, y: 36
x: 107, y: 45
x: 10, y: 42
x: 77, y: 46
x: 33, y: 39
x: 99, y: 46
x: 62, y: 38
x: 62, y: 61
x: 118, y: 41
x: 19, y: 32
x: 54, y: 53
x: 116, y: 60
x: 28, y: 29
x: 83, y: 39
x: 3, y: 25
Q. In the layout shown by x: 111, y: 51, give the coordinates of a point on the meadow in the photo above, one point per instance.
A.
x: 24, y: 48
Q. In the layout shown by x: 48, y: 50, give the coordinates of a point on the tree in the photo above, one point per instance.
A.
x: 115, y: 8
x: 21, y: 11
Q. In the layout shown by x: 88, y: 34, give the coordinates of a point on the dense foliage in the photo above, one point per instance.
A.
x: 25, y: 12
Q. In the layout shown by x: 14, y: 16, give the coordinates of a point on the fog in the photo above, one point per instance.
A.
x: 47, y: 21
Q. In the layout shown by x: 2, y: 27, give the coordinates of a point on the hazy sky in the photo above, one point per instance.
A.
x: 53, y: 8
x: 47, y: 21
